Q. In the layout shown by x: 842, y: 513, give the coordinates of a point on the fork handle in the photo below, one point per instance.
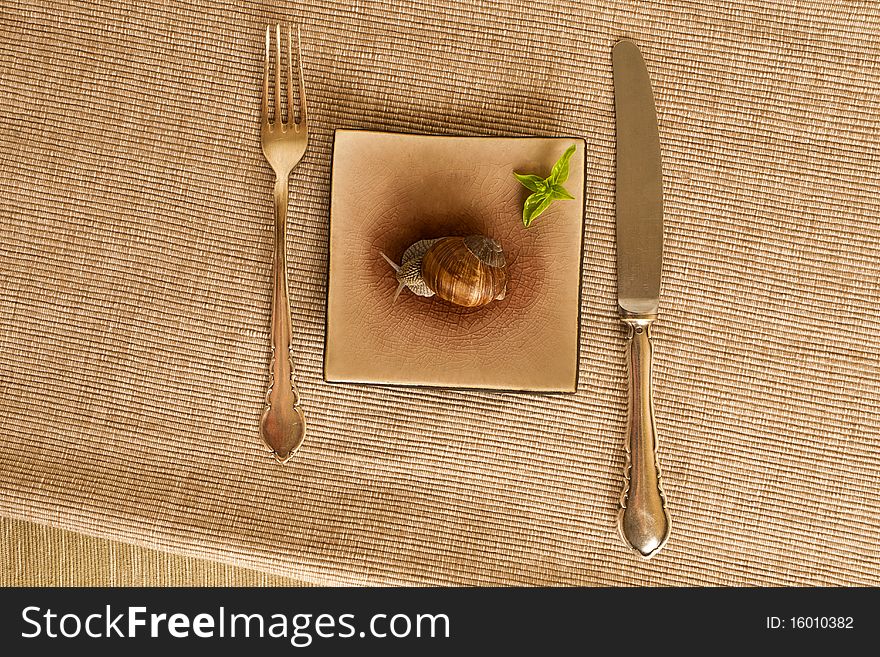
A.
x: 283, y: 425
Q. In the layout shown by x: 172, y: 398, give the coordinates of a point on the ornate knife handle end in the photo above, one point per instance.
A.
x: 643, y: 521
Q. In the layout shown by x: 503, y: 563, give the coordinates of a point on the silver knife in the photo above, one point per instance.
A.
x: 643, y: 520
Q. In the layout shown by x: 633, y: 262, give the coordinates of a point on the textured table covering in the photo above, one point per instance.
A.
x: 33, y: 554
x: 135, y: 248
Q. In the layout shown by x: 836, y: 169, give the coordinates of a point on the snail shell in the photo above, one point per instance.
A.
x: 466, y: 271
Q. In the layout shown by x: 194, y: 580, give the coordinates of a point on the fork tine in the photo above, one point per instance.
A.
x: 290, y: 117
x: 265, y: 108
x: 302, y: 85
x: 278, y: 73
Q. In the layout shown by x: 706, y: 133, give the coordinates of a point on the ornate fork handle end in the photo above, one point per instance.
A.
x: 283, y: 432
x: 283, y: 424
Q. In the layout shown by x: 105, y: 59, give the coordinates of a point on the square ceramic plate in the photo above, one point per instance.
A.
x: 391, y: 190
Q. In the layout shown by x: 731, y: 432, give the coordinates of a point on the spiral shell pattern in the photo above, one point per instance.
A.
x: 467, y: 271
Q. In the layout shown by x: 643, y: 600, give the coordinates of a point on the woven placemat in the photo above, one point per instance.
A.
x: 33, y: 554
x: 135, y: 249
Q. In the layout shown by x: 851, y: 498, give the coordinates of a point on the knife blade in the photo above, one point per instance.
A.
x: 643, y: 520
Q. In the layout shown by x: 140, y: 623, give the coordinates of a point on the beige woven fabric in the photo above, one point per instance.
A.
x: 135, y: 247
x: 38, y: 555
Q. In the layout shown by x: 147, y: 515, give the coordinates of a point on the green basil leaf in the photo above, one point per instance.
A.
x: 534, y: 206
x: 558, y: 192
x: 560, y: 170
x: 534, y: 183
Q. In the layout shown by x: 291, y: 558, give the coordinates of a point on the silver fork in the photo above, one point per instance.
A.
x: 283, y: 425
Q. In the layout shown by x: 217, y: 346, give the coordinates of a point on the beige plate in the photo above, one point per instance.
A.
x: 390, y: 190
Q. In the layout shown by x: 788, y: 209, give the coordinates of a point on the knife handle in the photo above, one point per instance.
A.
x: 643, y: 520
